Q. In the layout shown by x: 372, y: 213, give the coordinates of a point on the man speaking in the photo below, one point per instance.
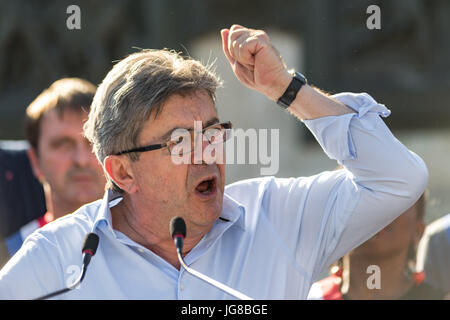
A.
x: 267, y: 238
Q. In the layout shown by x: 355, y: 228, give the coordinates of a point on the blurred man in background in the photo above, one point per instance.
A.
x: 60, y: 156
x: 389, y: 255
x: 433, y: 256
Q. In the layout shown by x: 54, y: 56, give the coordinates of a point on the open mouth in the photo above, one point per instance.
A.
x: 207, y: 186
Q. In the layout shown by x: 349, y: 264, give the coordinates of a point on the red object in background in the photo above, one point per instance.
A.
x: 9, y: 175
x: 419, y: 277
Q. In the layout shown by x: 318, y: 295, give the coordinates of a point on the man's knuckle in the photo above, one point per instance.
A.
x: 263, y: 36
x: 235, y: 44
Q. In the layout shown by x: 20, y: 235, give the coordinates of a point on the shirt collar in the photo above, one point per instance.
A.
x: 232, y: 210
x: 110, y: 199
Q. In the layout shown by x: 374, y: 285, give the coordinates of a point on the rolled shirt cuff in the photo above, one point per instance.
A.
x: 333, y: 132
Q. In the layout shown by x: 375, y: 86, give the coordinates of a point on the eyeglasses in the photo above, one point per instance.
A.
x: 214, y: 134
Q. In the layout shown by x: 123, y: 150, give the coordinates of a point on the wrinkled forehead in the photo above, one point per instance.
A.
x: 180, y: 111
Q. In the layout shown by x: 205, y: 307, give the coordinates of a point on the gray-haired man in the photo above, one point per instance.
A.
x: 268, y: 238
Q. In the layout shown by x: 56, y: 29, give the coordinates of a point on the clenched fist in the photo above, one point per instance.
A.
x: 255, y: 62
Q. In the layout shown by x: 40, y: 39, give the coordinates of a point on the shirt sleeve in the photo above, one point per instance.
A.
x: 32, y: 271
x: 381, y: 177
x: 322, y: 217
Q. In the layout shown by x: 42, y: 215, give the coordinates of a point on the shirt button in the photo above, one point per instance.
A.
x: 181, y: 286
x: 141, y: 250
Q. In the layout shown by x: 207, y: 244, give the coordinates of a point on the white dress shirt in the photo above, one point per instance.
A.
x: 273, y: 239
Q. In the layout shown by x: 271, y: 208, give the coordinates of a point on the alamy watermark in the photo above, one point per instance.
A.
x: 374, y: 20
x: 220, y: 145
x: 73, y: 21
x: 374, y: 280
x: 73, y: 272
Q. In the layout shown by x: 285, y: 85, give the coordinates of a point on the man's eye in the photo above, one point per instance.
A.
x: 62, y: 144
x: 214, y: 135
x: 177, y: 140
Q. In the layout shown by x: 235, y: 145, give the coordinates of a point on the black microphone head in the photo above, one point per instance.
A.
x: 90, y: 243
x: 177, y: 226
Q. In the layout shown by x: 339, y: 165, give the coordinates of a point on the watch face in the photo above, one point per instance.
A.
x: 301, y: 77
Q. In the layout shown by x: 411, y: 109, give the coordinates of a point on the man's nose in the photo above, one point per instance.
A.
x: 83, y: 155
x: 207, y: 153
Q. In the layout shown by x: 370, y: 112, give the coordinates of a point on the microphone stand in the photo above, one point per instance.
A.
x: 88, y: 251
x: 178, y: 233
x: 72, y: 286
x: 213, y: 282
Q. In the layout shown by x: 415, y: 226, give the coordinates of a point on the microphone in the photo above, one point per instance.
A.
x: 88, y: 251
x: 89, y: 248
x: 178, y: 233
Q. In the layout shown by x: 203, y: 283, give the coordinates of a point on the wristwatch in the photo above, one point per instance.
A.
x: 298, y: 80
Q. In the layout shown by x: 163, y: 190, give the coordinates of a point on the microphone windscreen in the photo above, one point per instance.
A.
x: 90, y: 243
x: 177, y: 226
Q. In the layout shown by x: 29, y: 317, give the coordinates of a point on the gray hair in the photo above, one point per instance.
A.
x: 136, y: 87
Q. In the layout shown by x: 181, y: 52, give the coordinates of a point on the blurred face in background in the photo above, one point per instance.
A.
x: 395, y: 238
x: 64, y: 161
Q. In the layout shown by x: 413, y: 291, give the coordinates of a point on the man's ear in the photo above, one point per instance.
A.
x: 119, y: 171
x: 33, y: 157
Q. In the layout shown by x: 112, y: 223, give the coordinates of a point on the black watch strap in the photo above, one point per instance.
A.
x: 298, y: 80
